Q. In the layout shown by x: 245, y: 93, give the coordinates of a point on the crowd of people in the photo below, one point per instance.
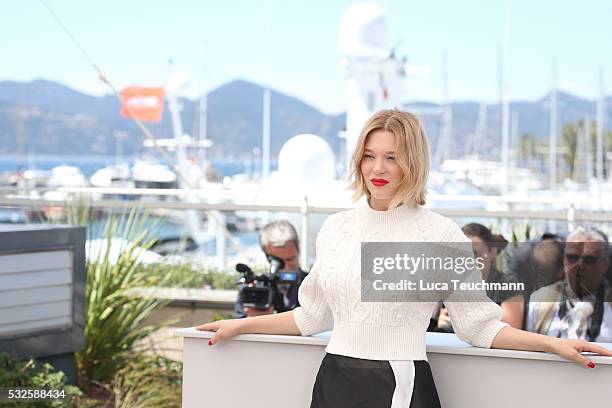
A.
x: 566, y: 280
x: 566, y: 283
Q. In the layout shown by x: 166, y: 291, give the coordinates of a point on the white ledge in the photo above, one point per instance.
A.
x: 442, y: 343
x: 316, y: 340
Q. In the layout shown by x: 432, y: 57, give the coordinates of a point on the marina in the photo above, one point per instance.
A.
x: 209, y: 169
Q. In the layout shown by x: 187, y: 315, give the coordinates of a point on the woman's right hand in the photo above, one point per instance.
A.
x: 224, y: 329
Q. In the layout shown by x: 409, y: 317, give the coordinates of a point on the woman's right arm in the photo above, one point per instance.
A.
x: 281, y: 323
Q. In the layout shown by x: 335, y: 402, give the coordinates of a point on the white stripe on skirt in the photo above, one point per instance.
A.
x: 404, y: 373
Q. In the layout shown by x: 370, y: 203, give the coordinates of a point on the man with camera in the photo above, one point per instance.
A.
x: 277, y: 290
x: 579, y: 306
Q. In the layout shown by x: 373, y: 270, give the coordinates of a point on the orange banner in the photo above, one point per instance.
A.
x: 146, y: 104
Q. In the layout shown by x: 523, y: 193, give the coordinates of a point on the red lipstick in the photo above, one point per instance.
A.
x: 379, y: 182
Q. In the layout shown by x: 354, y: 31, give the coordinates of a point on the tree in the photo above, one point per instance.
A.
x: 578, y: 150
x: 569, y: 138
x: 527, y: 149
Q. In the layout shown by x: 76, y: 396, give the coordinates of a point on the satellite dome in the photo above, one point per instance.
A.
x: 306, y: 159
x: 363, y: 31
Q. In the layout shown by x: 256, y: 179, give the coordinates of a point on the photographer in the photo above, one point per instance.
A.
x: 280, y: 242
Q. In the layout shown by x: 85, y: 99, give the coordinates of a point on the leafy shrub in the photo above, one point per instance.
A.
x: 114, y: 317
x: 221, y: 316
x: 148, y: 381
x: 187, y: 275
x: 32, y: 374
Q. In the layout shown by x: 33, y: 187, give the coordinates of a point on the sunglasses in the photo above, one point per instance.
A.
x: 586, y: 259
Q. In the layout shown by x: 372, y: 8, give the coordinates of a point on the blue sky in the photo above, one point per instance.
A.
x: 292, y: 45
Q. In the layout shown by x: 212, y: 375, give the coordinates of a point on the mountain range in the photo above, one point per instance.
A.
x: 46, y: 117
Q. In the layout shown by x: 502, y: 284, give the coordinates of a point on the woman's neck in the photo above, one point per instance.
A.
x: 374, y: 217
x: 379, y: 205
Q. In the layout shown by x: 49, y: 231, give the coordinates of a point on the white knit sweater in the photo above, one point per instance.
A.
x: 330, y: 295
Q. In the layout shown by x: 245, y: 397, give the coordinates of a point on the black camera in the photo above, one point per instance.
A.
x: 262, y: 291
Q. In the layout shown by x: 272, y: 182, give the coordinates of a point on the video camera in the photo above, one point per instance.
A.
x: 261, y: 291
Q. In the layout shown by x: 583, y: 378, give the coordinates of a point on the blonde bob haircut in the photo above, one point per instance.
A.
x: 411, y: 154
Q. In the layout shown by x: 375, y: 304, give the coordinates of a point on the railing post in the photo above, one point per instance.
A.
x: 571, y: 217
x: 304, y: 211
x: 216, y: 223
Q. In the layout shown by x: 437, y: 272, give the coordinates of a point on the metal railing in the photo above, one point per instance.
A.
x: 570, y: 210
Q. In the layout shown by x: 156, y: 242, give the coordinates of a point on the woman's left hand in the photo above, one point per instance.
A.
x: 571, y: 349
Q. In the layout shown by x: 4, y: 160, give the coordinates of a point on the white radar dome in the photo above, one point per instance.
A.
x: 363, y: 31
x: 306, y: 159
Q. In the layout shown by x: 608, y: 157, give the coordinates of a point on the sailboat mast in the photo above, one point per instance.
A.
x: 505, y: 125
x: 481, y: 130
x: 588, y: 148
x: 265, y: 163
x: 203, y: 122
x: 514, y: 128
x: 601, y: 103
x: 443, y: 149
x: 505, y: 105
x: 552, y: 134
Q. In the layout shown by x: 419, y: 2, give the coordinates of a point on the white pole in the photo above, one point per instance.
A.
x: 514, y: 126
x: 221, y: 247
x: 601, y: 103
x: 552, y: 135
x: 265, y: 163
x: 265, y: 150
x: 588, y: 148
x: 193, y: 218
x: 203, y: 122
x: 443, y: 147
x: 481, y: 130
x: 505, y: 153
x: 580, y: 174
x: 304, y: 233
x: 175, y: 108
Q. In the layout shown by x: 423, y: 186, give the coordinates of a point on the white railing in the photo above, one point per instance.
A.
x: 564, y: 209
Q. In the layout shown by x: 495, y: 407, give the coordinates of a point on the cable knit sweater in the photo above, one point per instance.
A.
x: 330, y: 295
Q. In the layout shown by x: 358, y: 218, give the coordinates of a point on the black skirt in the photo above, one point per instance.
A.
x: 347, y: 382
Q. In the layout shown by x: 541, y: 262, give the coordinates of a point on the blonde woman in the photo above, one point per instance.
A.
x: 376, y: 355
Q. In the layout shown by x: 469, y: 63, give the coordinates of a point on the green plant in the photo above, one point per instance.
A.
x: 187, y: 275
x: 114, y: 316
x: 221, y: 316
x: 522, y: 233
x: 15, y: 373
x: 519, y: 234
x: 78, y: 210
x: 148, y: 381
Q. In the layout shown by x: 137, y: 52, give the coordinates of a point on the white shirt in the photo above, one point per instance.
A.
x: 330, y: 294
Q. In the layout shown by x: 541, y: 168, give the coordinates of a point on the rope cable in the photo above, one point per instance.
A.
x: 178, y: 171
